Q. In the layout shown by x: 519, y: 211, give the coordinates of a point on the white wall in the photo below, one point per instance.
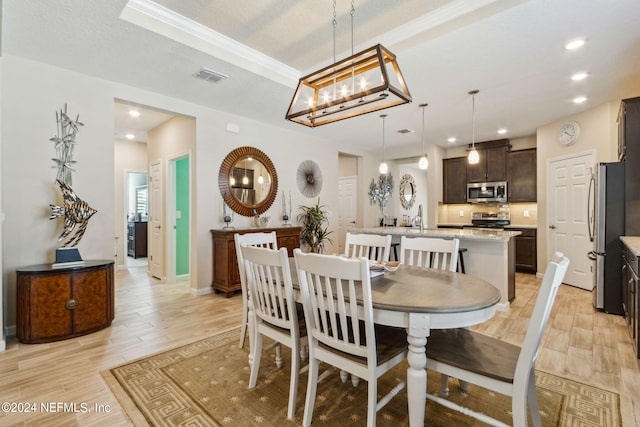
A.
x: 33, y: 92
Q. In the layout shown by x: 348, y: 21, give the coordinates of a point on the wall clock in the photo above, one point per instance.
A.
x: 569, y: 133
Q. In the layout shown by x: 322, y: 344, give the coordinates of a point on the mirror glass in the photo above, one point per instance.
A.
x: 407, y: 191
x: 248, y: 181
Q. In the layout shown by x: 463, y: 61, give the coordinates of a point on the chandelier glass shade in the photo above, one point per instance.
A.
x: 367, y: 81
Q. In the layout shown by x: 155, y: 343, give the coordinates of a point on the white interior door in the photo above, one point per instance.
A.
x: 346, y: 207
x: 155, y: 218
x: 567, y: 188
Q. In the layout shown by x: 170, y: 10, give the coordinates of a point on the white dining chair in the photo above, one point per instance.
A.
x: 274, y: 311
x: 265, y: 240
x: 341, y: 330
x: 371, y: 246
x: 429, y: 252
x: 494, y: 364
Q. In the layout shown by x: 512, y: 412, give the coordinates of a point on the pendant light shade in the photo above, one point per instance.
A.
x: 383, y: 168
x: 424, y: 162
x: 473, y: 156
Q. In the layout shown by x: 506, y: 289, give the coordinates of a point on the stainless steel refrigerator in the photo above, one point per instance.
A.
x: 606, y: 225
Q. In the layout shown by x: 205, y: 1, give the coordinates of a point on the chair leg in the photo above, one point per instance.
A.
x: 256, y: 352
x: 519, y: 406
x: 293, y: 382
x: 372, y: 402
x: 312, y: 385
x: 279, y: 356
x: 344, y: 375
x: 532, y: 399
x: 444, y: 386
x: 245, y: 320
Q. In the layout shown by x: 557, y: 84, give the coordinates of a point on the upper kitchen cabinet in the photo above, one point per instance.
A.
x: 522, y: 175
x: 493, y: 162
x: 454, y: 180
x: 629, y: 150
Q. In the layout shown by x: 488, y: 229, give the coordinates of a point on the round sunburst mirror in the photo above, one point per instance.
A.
x: 248, y: 181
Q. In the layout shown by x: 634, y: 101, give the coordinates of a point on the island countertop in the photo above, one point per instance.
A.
x: 450, y: 233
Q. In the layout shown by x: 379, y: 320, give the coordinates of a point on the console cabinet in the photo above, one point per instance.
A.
x: 60, y: 303
x: 226, y: 277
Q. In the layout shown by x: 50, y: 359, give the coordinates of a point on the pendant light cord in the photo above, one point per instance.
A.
x: 383, y: 117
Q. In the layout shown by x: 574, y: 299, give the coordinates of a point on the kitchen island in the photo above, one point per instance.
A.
x: 490, y: 253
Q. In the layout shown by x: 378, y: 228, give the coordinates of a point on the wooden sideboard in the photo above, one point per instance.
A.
x: 226, y: 277
x: 60, y: 303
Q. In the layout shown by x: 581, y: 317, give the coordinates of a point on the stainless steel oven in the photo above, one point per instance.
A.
x: 479, y: 192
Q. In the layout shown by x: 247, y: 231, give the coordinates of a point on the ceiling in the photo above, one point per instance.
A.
x: 510, y: 50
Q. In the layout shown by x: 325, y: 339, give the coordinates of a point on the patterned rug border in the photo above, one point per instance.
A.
x: 138, y: 418
x: 129, y: 406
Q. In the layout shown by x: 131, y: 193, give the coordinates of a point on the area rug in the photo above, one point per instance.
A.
x: 205, y: 384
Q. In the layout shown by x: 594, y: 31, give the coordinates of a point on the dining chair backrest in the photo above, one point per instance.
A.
x: 429, y: 252
x: 338, y: 311
x: 371, y: 246
x: 551, y: 281
x: 331, y: 287
x: 275, y: 313
x: 265, y: 240
x: 269, y: 283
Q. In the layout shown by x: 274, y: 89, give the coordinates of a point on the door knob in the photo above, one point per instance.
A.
x: 553, y: 227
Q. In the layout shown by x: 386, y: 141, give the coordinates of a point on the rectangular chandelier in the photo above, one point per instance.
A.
x: 365, y: 82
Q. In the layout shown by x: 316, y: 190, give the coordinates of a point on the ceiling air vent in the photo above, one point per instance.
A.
x: 210, y: 75
x: 403, y: 131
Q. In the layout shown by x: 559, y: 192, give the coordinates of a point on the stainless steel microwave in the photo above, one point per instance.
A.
x: 480, y: 192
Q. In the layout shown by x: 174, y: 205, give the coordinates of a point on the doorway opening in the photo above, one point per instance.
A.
x: 137, y: 208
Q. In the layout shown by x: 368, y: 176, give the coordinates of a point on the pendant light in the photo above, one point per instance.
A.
x: 473, y: 156
x: 424, y: 162
x: 365, y: 82
x: 383, y: 168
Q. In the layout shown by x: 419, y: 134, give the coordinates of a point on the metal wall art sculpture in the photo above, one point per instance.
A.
x: 75, y: 211
x: 309, y: 178
x: 381, y: 192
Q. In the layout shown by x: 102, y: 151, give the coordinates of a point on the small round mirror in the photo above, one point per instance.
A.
x: 248, y: 181
x: 407, y: 191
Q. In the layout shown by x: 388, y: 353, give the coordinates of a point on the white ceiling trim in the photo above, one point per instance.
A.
x: 438, y: 17
x: 161, y: 20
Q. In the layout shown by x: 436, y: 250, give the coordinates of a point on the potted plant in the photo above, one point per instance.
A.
x: 314, y: 222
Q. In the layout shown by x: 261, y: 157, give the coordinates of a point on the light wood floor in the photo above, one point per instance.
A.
x: 151, y: 316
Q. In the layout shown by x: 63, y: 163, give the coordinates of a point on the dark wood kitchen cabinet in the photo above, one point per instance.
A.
x: 629, y: 150
x: 526, y: 250
x: 522, y: 185
x: 226, y: 277
x: 493, y: 162
x: 630, y: 295
x: 60, y: 303
x: 454, y: 182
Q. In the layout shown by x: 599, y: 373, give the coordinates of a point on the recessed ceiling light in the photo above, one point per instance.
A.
x: 579, y: 100
x: 579, y: 76
x: 134, y: 113
x: 502, y: 131
x: 130, y: 136
x: 574, y: 44
x: 452, y: 139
